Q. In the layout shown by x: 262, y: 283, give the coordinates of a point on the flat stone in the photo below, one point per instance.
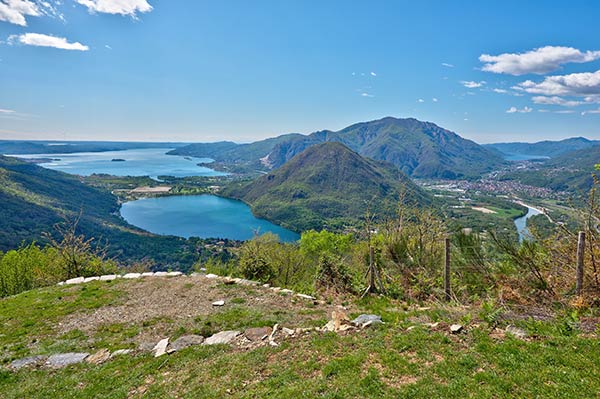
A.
x: 223, y: 337
x: 148, y: 274
x: 456, y: 328
x: 66, y: 359
x: 185, y: 341
x: 88, y: 279
x: 286, y: 291
x: 120, y: 352
x: 210, y: 275
x: 76, y: 280
x: 243, y: 281
x: 174, y: 274
x: 161, y: 347
x: 132, y: 275
x: 516, y: 332
x: 27, y: 362
x: 267, y: 285
x: 99, y: 357
x: 160, y: 274
x: 218, y: 303
x: 108, y: 277
x: 146, y: 346
x: 288, y: 331
x: 365, y: 320
x: 61, y: 283
x: 304, y: 296
x: 258, y: 333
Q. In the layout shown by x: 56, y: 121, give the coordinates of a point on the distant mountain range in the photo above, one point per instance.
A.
x: 420, y: 149
x: 545, y: 148
x: 328, y: 185
x: 15, y: 147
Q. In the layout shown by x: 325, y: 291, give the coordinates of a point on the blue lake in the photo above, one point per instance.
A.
x: 204, y: 216
x: 523, y: 157
x: 151, y: 162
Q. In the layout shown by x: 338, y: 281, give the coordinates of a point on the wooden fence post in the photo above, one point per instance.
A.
x: 372, y: 267
x: 447, y: 289
x: 580, y: 255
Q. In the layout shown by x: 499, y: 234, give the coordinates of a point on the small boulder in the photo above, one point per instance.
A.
x: 99, y: 357
x: 218, y: 303
x: 148, y: 274
x: 185, y: 341
x: 27, y: 362
x: 174, y: 274
x: 76, y: 280
x: 456, y: 328
x: 365, y: 320
x: 304, y: 296
x: 258, y: 333
x: 120, y: 352
x: 108, y: 277
x: 132, y: 275
x: 66, y: 359
x: 516, y: 332
x: 161, y: 347
x: 160, y: 274
x: 223, y: 337
x: 88, y: 279
x: 211, y: 276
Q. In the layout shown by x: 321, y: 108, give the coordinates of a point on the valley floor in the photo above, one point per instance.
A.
x: 413, y: 354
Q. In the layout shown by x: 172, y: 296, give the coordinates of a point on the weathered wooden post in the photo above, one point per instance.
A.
x: 447, y: 289
x: 580, y: 255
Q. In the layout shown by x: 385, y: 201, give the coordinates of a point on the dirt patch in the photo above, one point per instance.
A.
x: 160, y: 305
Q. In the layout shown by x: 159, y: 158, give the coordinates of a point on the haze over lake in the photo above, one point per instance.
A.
x: 151, y: 162
x: 204, y: 216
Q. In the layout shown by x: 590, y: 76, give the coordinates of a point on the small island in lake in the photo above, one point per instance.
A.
x: 117, y: 160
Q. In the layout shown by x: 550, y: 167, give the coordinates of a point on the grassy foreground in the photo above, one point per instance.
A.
x: 403, y: 358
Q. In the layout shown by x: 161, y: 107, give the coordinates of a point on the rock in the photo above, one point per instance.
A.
x: 410, y: 328
x: 286, y: 291
x: 61, y: 283
x: 258, y: 333
x: 66, y: 359
x: 223, y: 337
x: 330, y: 326
x: 132, y: 275
x: 516, y: 332
x: 146, y: 347
x: 304, y: 296
x: 432, y: 325
x: 272, y: 336
x: 185, y: 341
x: 267, y: 285
x: 210, y: 275
x: 161, y: 347
x: 218, y: 303
x: 99, y: 357
x: 120, y: 352
x: 88, y: 279
x: 76, y: 280
x: 365, y: 320
x: 147, y: 274
x: 174, y: 274
x: 456, y: 328
x: 160, y: 274
x: 275, y: 289
x: 243, y: 281
x: 108, y: 277
x: 27, y: 362
x: 288, y: 331
x: 339, y: 317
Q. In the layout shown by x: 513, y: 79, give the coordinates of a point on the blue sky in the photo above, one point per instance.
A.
x: 244, y: 70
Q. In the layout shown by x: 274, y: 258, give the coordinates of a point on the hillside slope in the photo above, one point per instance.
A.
x: 327, y: 184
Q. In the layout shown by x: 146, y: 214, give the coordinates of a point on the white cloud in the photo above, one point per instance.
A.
x: 15, y: 11
x: 471, y: 84
x: 364, y: 94
x: 538, y: 61
x: 591, y: 111
x: 420, y: 100
x: 584, y: 84
x: 555, y: 100
x: 447, y: 65
x: 500, y: 91
x: 7, y: 111
x: 435, y: 100
x: 41, y: 40
x: 373, y: 74
x: 122, y: 7
x: 524, y: 110
x: 107, y: 47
